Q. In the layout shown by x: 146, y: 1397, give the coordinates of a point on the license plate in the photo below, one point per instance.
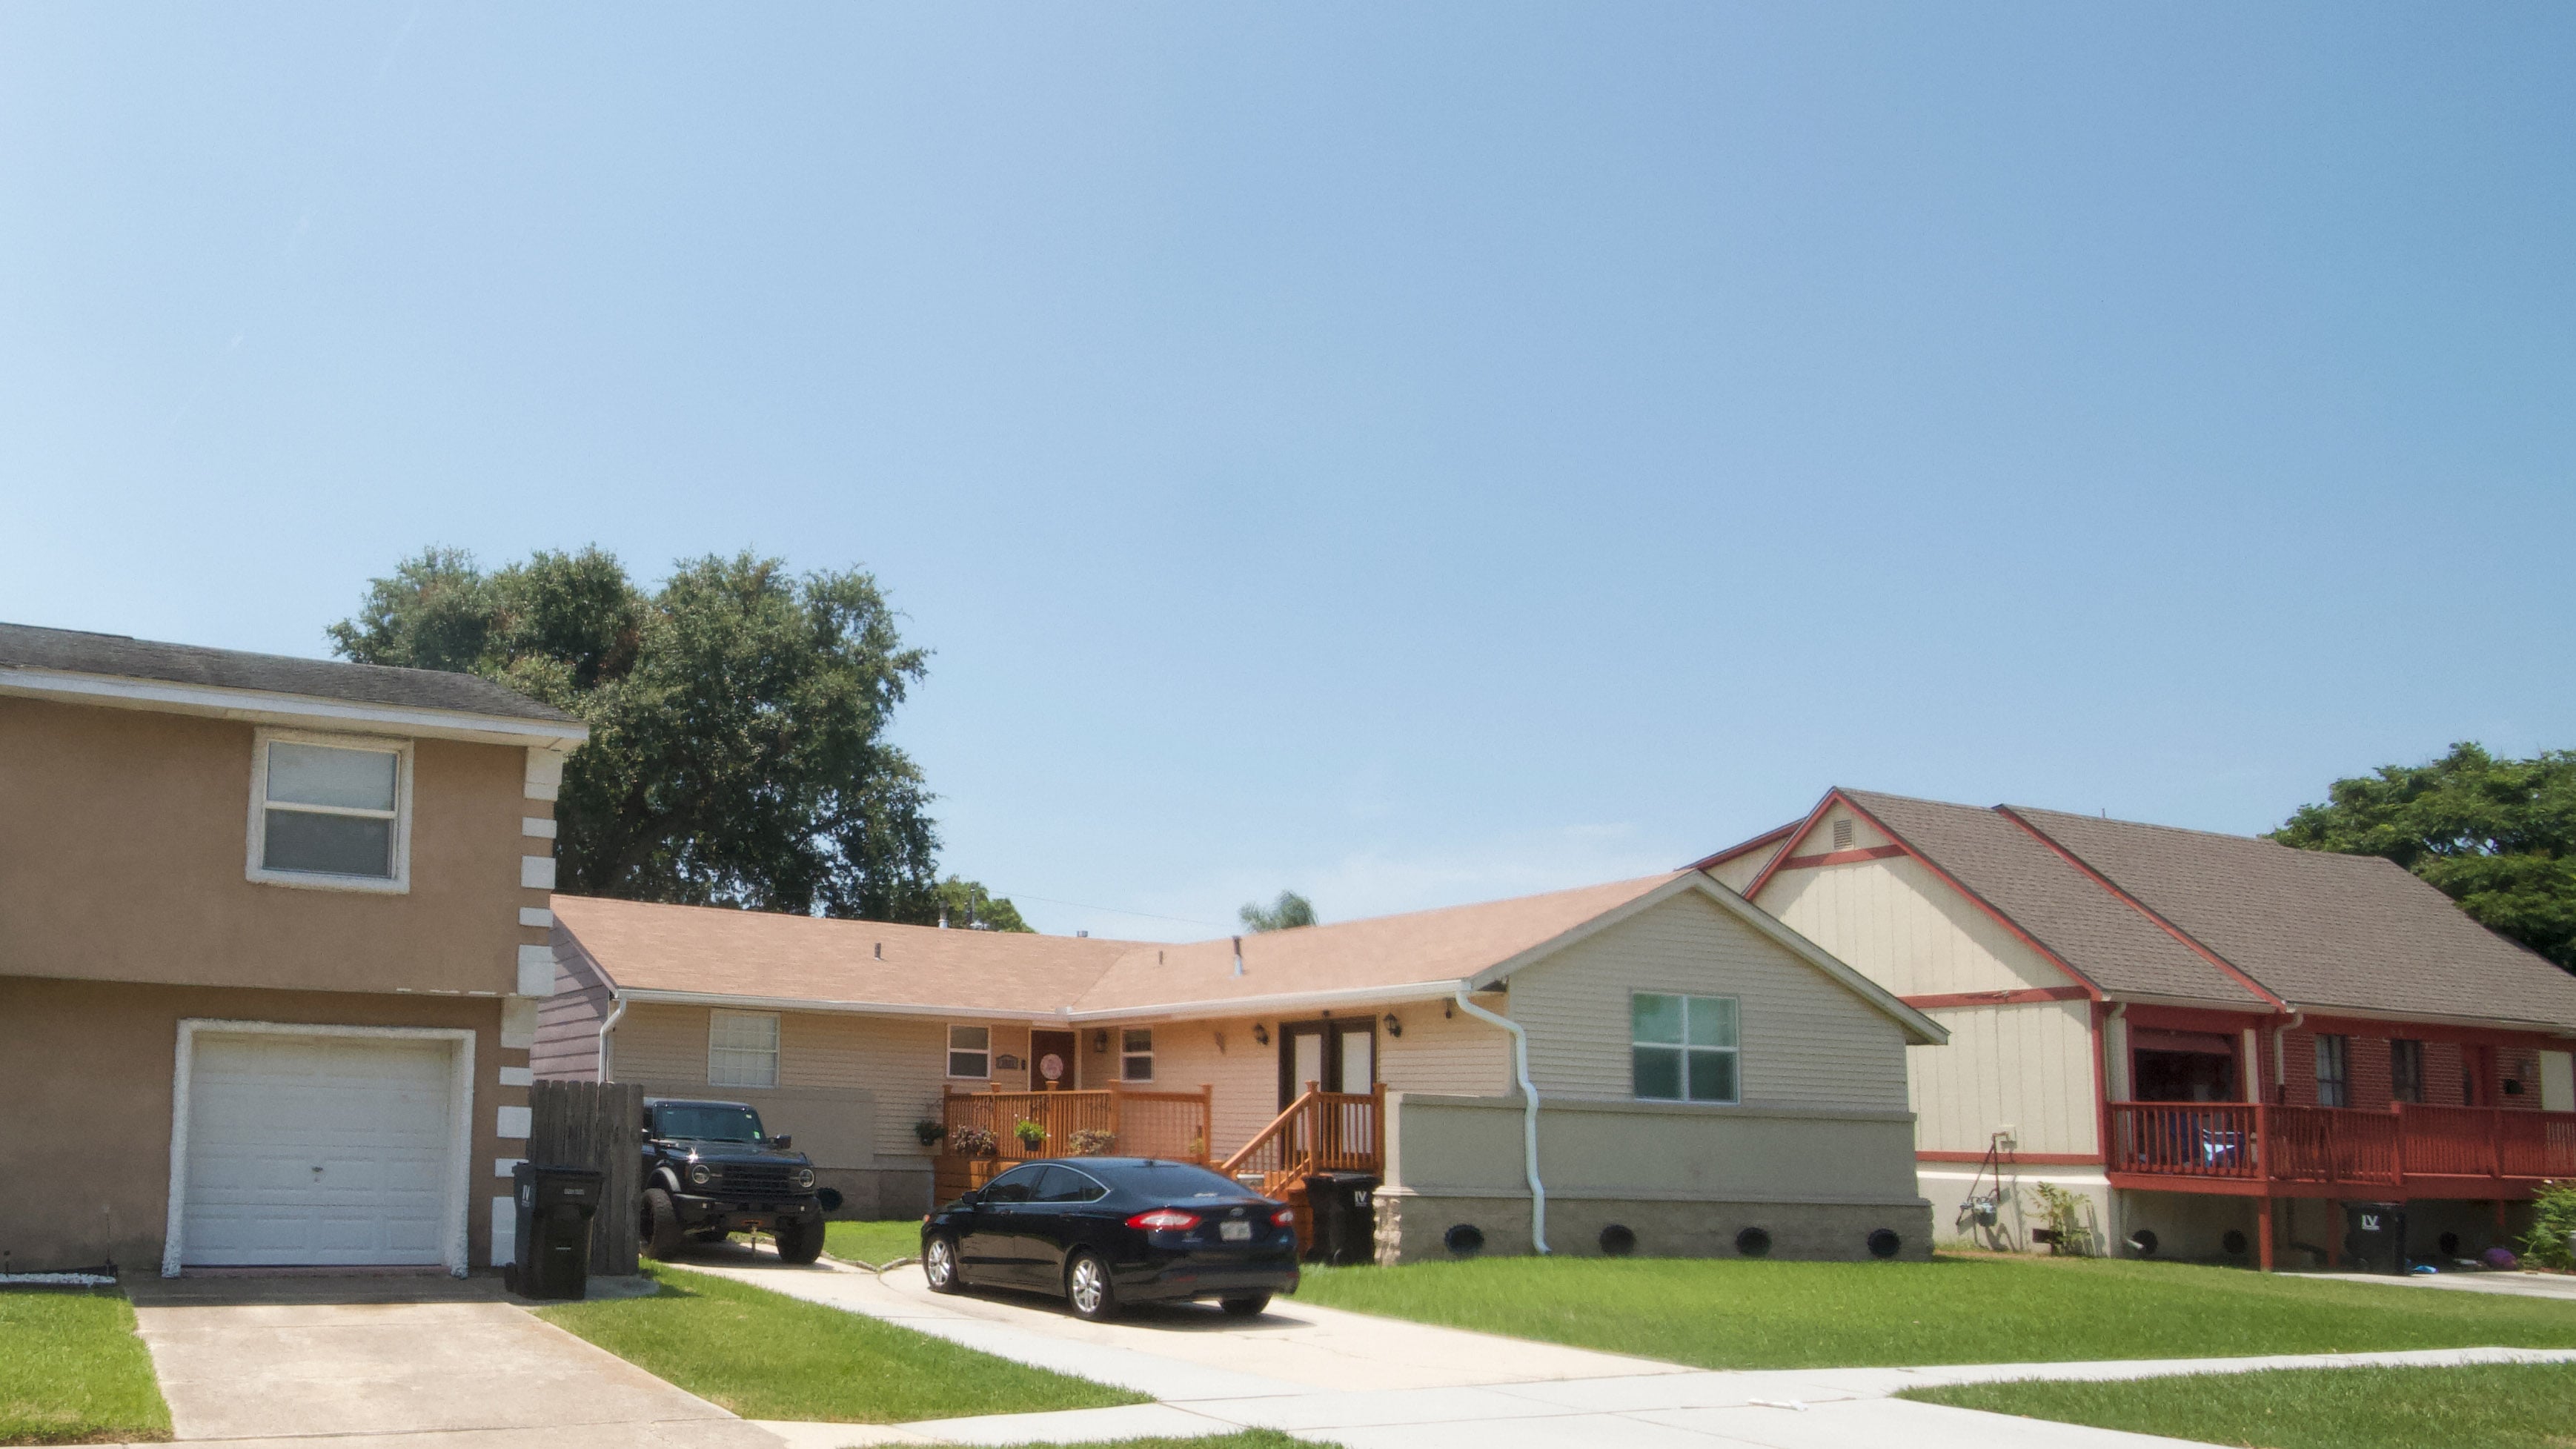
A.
x: 1235, y: 1232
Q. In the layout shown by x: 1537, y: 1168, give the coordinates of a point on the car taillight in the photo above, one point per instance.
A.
x: 1164, y: 1220
x: 1284, y: 1218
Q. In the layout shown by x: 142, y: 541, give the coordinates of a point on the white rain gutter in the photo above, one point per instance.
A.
x: 1529, y: 1115
x: 607, y: 1025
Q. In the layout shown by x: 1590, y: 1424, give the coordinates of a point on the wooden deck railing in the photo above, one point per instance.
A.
x: 2258, y: 1143
x: 1319, y: 1132
x: 1116, y: 1121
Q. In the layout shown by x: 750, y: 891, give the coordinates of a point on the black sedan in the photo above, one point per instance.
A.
x: 1109, y: 1231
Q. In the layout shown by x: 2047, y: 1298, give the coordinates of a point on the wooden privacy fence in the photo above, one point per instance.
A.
x: 593, y: 1125
x: 1111, y: 1122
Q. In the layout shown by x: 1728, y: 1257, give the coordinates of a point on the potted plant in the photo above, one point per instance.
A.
x: 1032, y: 1135
x: 929, y: 1132
x: 1093, y: 1141
x: 973, y: 1141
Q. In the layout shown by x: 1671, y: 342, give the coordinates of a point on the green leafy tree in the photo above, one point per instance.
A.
x: 1291, y: 909
x: 964, y: 903
x: 738, y: 719
x: 2498, y: 836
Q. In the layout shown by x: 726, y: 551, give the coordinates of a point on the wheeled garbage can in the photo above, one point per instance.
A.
x: 1344, y: 1205
x: 552, y: 1259
x: 2375, y: 1235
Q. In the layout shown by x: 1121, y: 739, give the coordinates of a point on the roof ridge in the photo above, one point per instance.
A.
x: 2146, y: 825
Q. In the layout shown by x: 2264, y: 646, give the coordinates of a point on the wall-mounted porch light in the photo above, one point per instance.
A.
x: 1393, y: 1026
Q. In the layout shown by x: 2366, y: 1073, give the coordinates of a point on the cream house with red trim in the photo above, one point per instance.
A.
x: 271, y: 934
x: 2211, y: 1038
x: 1649, y: 1063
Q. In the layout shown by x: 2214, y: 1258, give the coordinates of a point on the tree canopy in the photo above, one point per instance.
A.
x: 2498, y: 836
x: 1291, y: 909
x: 738, y: 717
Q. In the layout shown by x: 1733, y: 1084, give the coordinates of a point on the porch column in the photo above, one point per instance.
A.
x: 2263, y: 1234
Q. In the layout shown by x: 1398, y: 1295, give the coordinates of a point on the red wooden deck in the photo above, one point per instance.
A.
x: 2259, y: 1150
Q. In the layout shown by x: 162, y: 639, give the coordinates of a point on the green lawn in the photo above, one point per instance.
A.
x: 72, y: 1371
x: 767, y: 1356
x: 873, y: 1243
x: 2490, y: 1406
x: 1734, y: 1313
x: 1245, y: 1439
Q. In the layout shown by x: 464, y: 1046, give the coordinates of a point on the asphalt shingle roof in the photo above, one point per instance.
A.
x: 72, y: 651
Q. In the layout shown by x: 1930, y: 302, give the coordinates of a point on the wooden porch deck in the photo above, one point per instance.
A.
x: 2260, y: 1150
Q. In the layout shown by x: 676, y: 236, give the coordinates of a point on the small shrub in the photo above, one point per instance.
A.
x: 1093, y: 1141
x: 973, y: 1141
x: 929, y: 1132
x: 2062, y: 1213
x: 1032, y: 1135
x: 2553, y: 1217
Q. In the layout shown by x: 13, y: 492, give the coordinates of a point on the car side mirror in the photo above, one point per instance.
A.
x: 781, y: 1141
x: 970, y: 1197
x: 644, y: 1134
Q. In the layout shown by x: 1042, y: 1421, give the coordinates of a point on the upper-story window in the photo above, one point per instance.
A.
x: 2406, y: 1069
x: 1683, y: 1048
x: 742, y: 1049
x: 2334, y: 1070
x: 332, y: 811
x: 1136, y: 1054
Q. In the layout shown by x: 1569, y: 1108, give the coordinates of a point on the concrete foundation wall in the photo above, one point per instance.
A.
x: 1413, y: 1228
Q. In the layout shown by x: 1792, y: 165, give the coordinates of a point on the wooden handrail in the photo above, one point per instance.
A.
x: 1278, y: 1125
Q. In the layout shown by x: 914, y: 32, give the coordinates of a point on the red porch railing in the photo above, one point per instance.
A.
x: 2226, y: 1143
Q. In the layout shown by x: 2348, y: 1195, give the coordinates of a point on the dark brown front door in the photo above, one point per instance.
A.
x: 1340, y: 1055
x: 1051, y: 1051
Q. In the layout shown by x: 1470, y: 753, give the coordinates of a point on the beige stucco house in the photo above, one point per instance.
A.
x: 2211, y: 1039
x: 271, y: 934
x: 1704, y: 1079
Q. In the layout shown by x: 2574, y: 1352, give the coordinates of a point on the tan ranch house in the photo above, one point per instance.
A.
x: 1650, y: 1065
x: 272, y: 932
x: 2212, y: 1040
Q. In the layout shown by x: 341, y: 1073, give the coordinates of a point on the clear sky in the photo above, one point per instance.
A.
x: 1409, y: 453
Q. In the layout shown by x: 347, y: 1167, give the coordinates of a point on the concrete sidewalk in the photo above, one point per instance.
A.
x: 401, y: 1362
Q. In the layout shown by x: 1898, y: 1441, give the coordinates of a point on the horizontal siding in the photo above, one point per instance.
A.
x: 567, y: 1044
x: 1221, y: 1054
x: 1806, y: 1038
x: 2026, y: 1067
x: 1898, y: 924
x: 1454, y: 1056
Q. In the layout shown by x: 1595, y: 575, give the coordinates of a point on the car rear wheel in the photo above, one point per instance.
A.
x: 1088, y: 1289
x: 800, y: 1243
x: 1244, y: 1307
x: 662, y: 1235
x: 939, y: 1264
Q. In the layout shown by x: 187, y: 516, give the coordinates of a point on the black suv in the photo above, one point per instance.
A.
x: 709, y: 1170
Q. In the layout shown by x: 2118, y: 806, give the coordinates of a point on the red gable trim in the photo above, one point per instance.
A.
x: 2091, y: 989
x: 1767, y: 837
x: 1942, y: 1001
x: 1840, y: 857
x: 2133, y: 903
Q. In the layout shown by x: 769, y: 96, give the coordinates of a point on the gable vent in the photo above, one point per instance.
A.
x: 1843, y: 833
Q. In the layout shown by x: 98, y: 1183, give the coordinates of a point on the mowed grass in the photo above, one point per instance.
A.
x: 1733, y: 1313
x: 767, y: 1356
x: 2490, y: 1406
x: 72, y: 1371
x: 873, y: 1243
x: 1245, y: 1439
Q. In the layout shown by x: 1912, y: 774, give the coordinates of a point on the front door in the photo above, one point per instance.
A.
x: 1051, y: 1057
x: 1341, y: 1056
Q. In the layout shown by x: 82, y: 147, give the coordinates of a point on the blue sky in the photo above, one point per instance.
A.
x: 1408, y: 453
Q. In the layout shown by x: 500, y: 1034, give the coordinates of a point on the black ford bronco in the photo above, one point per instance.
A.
x: 709, y: 1170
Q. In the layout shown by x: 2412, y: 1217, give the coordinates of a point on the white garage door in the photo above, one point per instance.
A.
x: 316, y: 1150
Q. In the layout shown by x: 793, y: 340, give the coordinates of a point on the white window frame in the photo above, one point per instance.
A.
x: 985, y: 1051
x: 1127, y: 1052
x: 255, y: 841
x: 717, y: 1017
x: 1685, y: 1048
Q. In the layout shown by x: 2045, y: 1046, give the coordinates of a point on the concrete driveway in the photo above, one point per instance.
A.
x: 402, y: 1363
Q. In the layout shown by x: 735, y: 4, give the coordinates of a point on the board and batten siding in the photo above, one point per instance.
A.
x: 2028, y: 1067
x: 1895, y: 922
x: 1806, y: 1038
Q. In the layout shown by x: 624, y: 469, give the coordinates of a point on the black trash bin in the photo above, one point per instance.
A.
x: 1345, y: 1209
x: 553, y: 1251
x: 2374, y: 1235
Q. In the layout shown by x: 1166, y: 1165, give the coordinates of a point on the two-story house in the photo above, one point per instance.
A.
x: 2210, y: 1038
x: 272, y: 932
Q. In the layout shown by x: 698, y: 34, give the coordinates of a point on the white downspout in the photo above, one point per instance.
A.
x: 607, y: 1025
x: 1529, y: 1115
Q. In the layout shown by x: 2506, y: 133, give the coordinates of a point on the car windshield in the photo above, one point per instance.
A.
x: 1178, y: 1182
x: 704, y: 1123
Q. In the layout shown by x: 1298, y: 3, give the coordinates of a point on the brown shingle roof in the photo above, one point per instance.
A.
x: 2087, y: 927
x: 2318, y: 929
x: 720, y: 952
x: 72, y: 651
